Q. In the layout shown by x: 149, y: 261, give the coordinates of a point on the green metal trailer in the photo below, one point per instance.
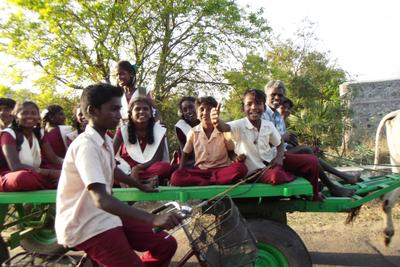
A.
x: 27, y: 217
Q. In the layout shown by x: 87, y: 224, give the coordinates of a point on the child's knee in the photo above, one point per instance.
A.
x: 176, y: 177
x: 22, y: 181
x: 241, y: 168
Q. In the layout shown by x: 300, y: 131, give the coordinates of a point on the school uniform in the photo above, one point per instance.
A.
x: 260, y: 149
x: 80, y: 224
x: 212, y: 163
x: 22, y: 180
x: 131, y: 155
x: 57, y: 138
x: 71, y: 137
x: 182, y: 129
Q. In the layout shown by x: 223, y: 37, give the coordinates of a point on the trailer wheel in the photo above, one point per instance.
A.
x: 43, y: 241
x: 4, y: 255
x: 278, y: 245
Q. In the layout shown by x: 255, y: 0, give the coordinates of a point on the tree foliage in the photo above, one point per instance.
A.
x: 176, y: 43
x: 180, y: 46
x: 43, y: 98
x: 312, y: 83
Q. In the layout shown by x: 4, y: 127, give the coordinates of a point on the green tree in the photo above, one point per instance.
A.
x: 180, y: 45
x: 176, y: 43
x: 252, y: 75
x: 312, y: 82
x: 43, y: 98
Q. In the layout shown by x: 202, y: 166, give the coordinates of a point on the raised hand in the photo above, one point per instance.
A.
x: 214, y: 115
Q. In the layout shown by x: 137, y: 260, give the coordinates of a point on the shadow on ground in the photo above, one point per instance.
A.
x: 353, y: 259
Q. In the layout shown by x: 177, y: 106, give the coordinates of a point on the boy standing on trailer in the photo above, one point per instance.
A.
x: 88, y: 217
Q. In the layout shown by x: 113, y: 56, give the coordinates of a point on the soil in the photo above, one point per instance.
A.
x: 331, y: 242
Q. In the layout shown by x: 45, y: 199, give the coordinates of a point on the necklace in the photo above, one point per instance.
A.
x: 141, y: 138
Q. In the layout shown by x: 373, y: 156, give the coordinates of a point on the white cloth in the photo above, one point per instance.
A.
x: 256, y: 145
x: 183, y: 126
x: 65, y: 130
x: 72, y: 135
x: 136, y: 153
x: 28, y: 155
x: 125, y: 104
x: 89, y: 159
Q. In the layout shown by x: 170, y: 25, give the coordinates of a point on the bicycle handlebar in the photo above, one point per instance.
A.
x: 184, y: 211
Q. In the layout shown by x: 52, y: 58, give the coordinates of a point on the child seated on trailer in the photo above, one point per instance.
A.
x: 79, y: 123
x: 20, y: 155
x: 261, y: 142
x: 187, y: 112
x: 210, y: 146
x: 88, y: 217
x: 275, y: 94
x: 6, y: 107
x: 55, y: 134
x: 141, y: 146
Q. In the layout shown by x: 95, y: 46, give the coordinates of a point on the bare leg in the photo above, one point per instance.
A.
x: 351, y: 179
x: 336, y: 191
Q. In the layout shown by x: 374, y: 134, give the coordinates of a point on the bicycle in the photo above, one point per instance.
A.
x: 217, y: 233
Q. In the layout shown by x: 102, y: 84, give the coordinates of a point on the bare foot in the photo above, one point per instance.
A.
x: 338, y: 191
x: 320, y: 197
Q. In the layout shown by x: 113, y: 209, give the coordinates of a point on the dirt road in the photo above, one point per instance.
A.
x: 333, y: 243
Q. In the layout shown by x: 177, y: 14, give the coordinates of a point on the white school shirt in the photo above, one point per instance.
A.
x: 256, y: 145
x: 29, y: 155
x: 89, y: 159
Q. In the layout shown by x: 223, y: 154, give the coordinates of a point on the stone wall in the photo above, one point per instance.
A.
x: 369, y: 102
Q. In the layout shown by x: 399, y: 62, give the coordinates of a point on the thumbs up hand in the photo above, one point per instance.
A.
x: 214, y: 115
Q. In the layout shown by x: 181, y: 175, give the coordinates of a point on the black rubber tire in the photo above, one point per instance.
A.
x: 43, y: 240
x: 4, y: 254
x: 282, y: 238
x: 32, y: 245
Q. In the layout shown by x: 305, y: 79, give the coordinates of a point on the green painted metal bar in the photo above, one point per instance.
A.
x: 368, y: 190
x: 298, y: 187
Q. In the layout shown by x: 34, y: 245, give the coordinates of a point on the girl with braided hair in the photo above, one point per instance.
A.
x: 55, y: 134
x: 20, y: 155
x: 140, y: 144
